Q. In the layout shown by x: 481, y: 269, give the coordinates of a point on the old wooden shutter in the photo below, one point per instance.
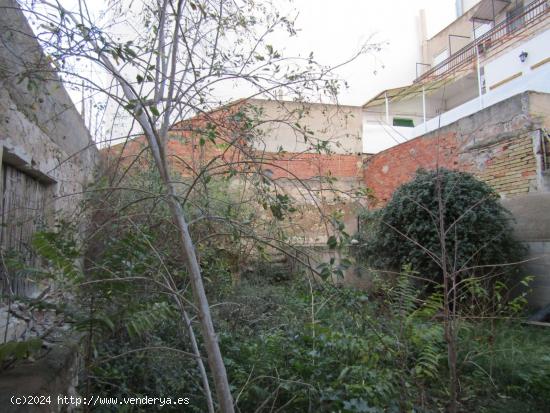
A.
x: 22, y: 214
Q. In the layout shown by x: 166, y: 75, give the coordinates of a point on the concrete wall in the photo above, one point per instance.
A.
x: 532, y: 226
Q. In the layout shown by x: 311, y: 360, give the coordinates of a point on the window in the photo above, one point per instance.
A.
x: 403, y: 122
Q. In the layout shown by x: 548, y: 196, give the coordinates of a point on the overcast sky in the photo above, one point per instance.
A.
x: 334, y: 29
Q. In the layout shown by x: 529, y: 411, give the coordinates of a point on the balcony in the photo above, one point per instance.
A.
x: 510, y: 28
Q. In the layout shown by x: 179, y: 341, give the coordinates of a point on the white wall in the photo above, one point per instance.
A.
x: 380, y: 137
x: 377, y: 137
x: 509, y: 64
x: 537, y: 81
x: 468, y: 4
x: 379, y: 134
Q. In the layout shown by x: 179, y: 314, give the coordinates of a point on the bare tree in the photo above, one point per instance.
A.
x: 165, y: 61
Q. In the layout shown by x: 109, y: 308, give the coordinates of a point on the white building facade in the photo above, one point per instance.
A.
x: 493, y: 50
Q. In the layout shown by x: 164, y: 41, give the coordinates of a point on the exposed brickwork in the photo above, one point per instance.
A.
x: 189, y: 149
x: 508, y: 165
x: 511, y: 168
x: 385, y: 171
x: 309, y: 165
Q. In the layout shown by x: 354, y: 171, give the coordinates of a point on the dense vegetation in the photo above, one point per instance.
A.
x: 133, y: 290
x: 293, y: 345
x: 407, y: 230
x: 300, y: 346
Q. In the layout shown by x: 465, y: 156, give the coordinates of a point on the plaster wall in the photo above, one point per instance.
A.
x: 468, y: 4
x: 509, y: 64
x: 340, y: 125
x: 462, y: 26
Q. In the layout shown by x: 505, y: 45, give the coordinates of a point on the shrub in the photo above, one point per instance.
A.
x: 478, y: 227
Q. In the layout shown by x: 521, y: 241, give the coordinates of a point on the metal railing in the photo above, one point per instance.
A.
x: 503, y: 31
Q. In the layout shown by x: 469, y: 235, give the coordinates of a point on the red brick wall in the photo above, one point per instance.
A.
x: 309, y: 165
x: 385, y: 171
x: 508, y: 165
x: 187, y: 154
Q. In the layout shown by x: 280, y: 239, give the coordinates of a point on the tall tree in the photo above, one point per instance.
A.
x: 166, y: 60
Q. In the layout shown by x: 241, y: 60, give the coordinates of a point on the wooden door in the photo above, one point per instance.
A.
x: 21, y: 214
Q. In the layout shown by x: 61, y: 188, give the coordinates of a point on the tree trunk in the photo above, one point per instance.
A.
x: 215, y: 360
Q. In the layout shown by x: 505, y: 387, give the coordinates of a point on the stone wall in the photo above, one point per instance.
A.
x: 53, y: 374
x: 42, y: 137
x: 44, y: 144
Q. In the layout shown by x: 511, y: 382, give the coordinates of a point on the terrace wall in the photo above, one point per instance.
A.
x: 500, y: 145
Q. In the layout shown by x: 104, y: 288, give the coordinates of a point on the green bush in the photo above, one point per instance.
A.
x: 406, y: 231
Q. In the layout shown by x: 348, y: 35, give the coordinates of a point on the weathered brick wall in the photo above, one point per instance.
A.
x: 188, y: 151
x: 498, y: 145
x: 295, y: 174
x: 509, y: 166
x: 309, y: 165
x: 385, y: 171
